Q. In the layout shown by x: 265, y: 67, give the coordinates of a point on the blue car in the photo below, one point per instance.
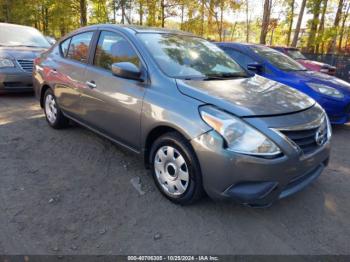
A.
x: 332, y: 93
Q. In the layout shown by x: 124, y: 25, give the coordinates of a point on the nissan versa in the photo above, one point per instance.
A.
x: 201, y: 122
x: 19, y: 45
x: 332, y: 93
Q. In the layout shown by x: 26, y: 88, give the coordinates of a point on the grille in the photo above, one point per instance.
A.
x: 309, y: 139
x: 26, y: 64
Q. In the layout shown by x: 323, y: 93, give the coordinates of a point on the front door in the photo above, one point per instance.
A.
x: 110, y: 104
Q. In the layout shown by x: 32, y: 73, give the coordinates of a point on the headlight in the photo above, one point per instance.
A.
x: 4, y: 62
x: 239, y: 136
x: 326, y: 90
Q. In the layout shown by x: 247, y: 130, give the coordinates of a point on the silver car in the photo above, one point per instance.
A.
x: 19, y: 46
x: 201, y: 122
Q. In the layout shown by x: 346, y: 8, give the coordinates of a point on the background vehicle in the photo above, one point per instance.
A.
x: 332, y: 93
x: 19, y: 45
x: 309, y: 64
x: 199, y: 119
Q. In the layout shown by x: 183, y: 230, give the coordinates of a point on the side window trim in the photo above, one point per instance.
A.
x: 61, y: 51
x: 90, y: 45
x: 94, y: 49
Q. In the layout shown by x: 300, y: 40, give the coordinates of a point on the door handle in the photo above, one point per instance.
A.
x: 54, y: 71
x: 91, y: 84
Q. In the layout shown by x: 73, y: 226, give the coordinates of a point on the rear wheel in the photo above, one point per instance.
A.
x: 54, y: 115
x: 175, y: 169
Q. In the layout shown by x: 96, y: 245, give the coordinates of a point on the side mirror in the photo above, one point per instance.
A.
x: 255, y: 67
x: 126, y: 70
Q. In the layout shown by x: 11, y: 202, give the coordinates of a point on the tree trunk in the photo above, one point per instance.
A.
x: 265, y: 21
x: 341, y: 35
x: 316, y: 8
x: 122, y: 6
x: 247, y: 20
x: 83, y: 16
x: 182, y: 15
x: 114, y: 7
x: 221, y: 30
x: 210, y: 16
x: 202, y: 17
x: 141, y: 11
x: 333, y: 42
x: 7, y: 11
x: 151, y: 18
x: 300, y: 19
x: 162, y: 12
x: 320, y: 32
x: 291, y: 18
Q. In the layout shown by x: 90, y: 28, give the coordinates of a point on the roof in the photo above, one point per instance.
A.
x: 16, y: 25
x: 235, y: 44
x: 141, y: 29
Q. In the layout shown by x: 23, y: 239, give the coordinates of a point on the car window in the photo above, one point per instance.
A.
x: 64, y: 46
x: 114, y: 48
x: 277, y: 59
x: 189, y: 57
x: 79, y: 47
x: 240, y: 58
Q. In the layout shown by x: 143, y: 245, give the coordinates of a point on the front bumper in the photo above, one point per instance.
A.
x: 15, y: 82
x: 252, y: 180
x: 338, y: 111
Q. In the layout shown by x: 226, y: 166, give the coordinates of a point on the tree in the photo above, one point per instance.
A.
x: 300, y: 19
x: 342, y: 29
x: 290, y: 18
x: 83, y: 16
x: 265, y: 21
x: 320, y: 32
x: 315, y: 9
x: 332, y: 43
x: 247, y: 20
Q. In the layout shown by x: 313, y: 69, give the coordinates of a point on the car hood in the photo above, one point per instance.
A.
x: 253, y: 96
x: 20, y: 52
x: 319, y: 78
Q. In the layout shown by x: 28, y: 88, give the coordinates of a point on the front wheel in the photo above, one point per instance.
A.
x: 54, y: 115
x: 175, y: 169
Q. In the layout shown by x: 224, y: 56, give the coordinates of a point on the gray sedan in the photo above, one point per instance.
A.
x: 19, y: 46
x: 200, y: 121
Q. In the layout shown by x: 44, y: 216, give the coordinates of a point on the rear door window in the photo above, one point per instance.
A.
x: 79, y: 47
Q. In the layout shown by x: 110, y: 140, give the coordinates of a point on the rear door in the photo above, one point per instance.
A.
x: 111, y: 104
x: 68, y: 71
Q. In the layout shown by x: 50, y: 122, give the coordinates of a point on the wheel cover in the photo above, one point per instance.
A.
x: 171, y: 170
x: 50, y: 108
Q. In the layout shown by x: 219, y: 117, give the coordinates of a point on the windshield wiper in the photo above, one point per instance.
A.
x: 224, y: 76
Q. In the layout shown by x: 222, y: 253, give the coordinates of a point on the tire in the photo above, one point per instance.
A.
x: 53, y: 113
x: 175, y: 169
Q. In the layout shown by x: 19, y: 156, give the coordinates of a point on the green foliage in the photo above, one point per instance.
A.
x: 213, y: 19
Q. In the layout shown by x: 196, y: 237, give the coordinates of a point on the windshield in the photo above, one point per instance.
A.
x: 21, y: 36
x: 295, y: 54
x: 182, y: 56
x: 278, y: 59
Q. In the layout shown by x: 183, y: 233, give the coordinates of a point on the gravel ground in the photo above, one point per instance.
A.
x: 73, y: 192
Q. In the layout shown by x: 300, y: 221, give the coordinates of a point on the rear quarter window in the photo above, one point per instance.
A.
x: 65, y: 46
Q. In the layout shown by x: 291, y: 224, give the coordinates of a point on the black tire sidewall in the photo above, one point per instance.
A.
x: 60, y: 118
